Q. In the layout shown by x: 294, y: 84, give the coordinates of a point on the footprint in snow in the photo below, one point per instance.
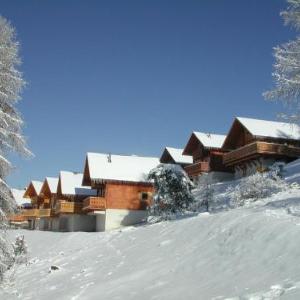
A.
x: 164, y: 243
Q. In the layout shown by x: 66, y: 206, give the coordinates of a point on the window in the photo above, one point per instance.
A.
x: 144, y: 196
x: 101, y: 191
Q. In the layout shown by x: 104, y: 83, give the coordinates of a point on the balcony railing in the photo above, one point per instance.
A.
x: 66, y: 207
x: 16, y: 218
x: 30, y: 213
x: 197, y: 168
x: 256, y: 149
x: 45, y: 212
x: 94, y: 203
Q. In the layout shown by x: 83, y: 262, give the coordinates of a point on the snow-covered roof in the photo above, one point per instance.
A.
x: 71, y: 184
x: 18, y: 196
x: 178, y: 157
x: 37, y: 185
x: 103, y: 167
x: 263, y: 128
x: 210, y: 140
x: 52, y: 183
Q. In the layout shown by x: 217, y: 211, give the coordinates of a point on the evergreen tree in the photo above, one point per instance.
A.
x: 172, y: 190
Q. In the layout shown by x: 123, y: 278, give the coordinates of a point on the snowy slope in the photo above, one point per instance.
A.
x: 230, y: 254
x: 246, y: 253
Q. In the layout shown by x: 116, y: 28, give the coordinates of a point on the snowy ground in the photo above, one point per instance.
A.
x: 246, y: 253
x: 239, y: 254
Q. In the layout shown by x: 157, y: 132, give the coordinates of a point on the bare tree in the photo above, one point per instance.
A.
x: 286, y: 73
x: 11, y: 138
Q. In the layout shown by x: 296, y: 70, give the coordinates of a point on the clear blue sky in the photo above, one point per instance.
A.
x: 134, y: 76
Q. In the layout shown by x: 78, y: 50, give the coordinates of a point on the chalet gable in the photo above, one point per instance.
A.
x: 174, y: 155
x: 49, y: 187
x: 246, y: 130
x: 33, y: 189
x: 203, y: 140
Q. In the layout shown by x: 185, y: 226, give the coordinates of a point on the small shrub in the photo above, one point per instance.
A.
x: 257, y: 186
x: 203, y: 194
x: 20, y: 250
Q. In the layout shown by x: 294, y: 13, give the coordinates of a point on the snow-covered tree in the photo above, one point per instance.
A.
x: 255, y: 187
x: 11, y: 138
x: 287, y: 67
x: 203, y: 193
x: 20, y: 250
x: 172, y: 191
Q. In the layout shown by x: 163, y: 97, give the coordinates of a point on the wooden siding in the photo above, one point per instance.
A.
x: 30, y: 213
x: 68, y: 207
x: 94, y: 203
x: 257, y: 149
x: 45, y: 212
x: 126, y: 196
x: 16, y: 218
x: 166, y: 158
x: 197, y: 168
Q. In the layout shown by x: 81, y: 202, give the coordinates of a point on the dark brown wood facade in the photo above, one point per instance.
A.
x: 166, y: 158
x: 204, y: 159
x: 243, y: 147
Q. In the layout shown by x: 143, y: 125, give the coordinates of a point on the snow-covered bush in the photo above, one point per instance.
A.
x: 203, y: 194
x: 20, y: 250
x: 11, y: 138
x: 172, y: 191
x: 256, y: 186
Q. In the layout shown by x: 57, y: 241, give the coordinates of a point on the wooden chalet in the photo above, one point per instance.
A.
x: 253, y: 145
x: 175, y: 156
x: 206, y: 150
x: 123, y: 191
x: 32, y: 192
x: 70, y: 193
x: 48, y: 197
x: 68, y: 203
x: 17, y: 219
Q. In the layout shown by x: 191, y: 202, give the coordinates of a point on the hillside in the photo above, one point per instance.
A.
x: 246, y: 253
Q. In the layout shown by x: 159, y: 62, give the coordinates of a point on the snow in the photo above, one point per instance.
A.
x: 271, y: 129
x: 120, y: 167
x: 71, y: 184
x: 18, y: 196
x: 52, y: 183
x: 246, y: 253
x: 209, y: 140
x: 37, y: 185
x: 237, y: 254
x: 178, y: 157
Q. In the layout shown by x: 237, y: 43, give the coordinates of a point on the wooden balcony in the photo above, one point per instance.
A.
x: 66, y: 207
x: 18, y: 218
x: 30, y: 213
x: 257, y: 149
x: 46, y: 201
x: 94, y: 203
x: 45, y: 212
x: 197, y: 168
